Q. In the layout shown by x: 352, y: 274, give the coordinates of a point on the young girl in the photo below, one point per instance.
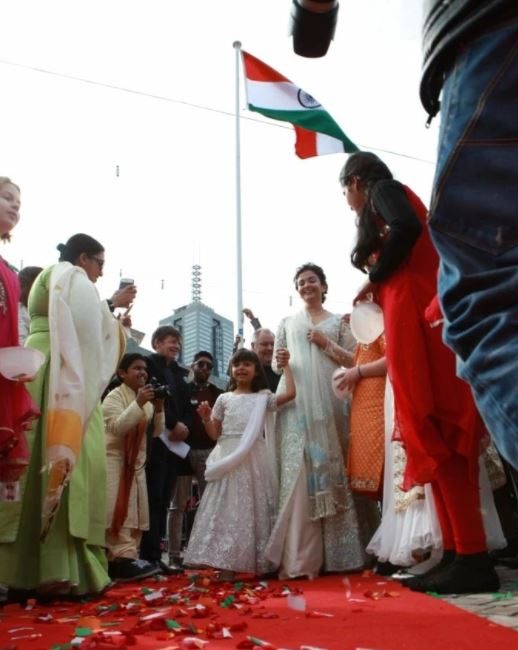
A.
x: 16, y: 406
x: 236, y: 512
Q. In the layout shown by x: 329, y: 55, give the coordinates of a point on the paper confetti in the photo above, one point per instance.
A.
x: 298, y: 603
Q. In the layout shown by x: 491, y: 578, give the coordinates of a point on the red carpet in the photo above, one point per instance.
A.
x: 368, y: 613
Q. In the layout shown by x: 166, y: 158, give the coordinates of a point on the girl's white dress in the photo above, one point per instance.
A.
x: 236, y: 513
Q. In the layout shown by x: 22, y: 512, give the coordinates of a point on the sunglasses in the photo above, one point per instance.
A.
x: 204, y: 364
x: 98, y: 260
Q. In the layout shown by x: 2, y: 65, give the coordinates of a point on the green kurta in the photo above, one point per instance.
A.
x: 72, y: 558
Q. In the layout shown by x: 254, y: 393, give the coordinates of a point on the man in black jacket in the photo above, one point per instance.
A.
x: 263, y: 342
x: 163, y: 466
x: 471, y: 54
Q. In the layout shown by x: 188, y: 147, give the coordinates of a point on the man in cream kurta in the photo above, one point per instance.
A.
x: 128, y: 410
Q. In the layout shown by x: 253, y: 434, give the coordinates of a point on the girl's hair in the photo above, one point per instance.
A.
x: 259, y: 382
x: 4, y: 180
x: 78, y: 244
x: 369, y: 169
x: 318, y: 271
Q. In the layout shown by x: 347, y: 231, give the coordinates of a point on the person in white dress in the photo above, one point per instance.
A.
x: 321, y: 525
x: 238, y: 507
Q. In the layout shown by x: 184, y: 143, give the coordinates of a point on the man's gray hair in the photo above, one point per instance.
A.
x: 261, y: 330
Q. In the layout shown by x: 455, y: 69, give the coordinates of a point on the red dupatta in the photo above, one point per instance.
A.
x: 16, y: 406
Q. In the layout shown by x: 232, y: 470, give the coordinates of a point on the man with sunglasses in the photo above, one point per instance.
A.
x: 201, y: 390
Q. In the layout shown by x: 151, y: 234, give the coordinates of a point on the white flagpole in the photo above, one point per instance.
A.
x: 239, y: 270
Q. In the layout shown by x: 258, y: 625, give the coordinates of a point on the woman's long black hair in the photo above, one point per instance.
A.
x: 369, y: 169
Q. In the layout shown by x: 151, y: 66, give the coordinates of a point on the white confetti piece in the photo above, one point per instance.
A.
x: 298, y: 603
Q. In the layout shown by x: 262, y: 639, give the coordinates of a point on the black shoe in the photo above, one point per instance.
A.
x: 127, y: 570
x: 467, y: 574
x: 170, y: 569
x: 415, y: 582
x: 386, y: 568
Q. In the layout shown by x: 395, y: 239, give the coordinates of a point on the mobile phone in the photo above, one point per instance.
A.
x: 126, y: 282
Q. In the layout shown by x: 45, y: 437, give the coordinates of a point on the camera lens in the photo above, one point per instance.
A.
x: 313, y: 26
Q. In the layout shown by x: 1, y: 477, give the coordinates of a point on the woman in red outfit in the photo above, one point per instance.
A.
x: 436, y: 417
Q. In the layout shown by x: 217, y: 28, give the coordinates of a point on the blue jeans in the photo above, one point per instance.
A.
x: 474, y: 225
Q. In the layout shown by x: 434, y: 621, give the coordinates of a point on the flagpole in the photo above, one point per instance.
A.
x: 239, y: 270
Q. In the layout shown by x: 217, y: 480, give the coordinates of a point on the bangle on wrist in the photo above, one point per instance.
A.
x: 206, y: 421
x: 359, y: 371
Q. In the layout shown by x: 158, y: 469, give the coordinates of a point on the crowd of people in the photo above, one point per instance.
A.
x: 293, y: 477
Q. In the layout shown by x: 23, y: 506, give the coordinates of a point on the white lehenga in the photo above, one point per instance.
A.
x: 409, y: 525
x: 237, y: 510
x: 320, y: 525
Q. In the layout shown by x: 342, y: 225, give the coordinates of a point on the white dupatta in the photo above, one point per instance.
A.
x: 85, y: 346
x: 315, y: 411
x: 258, y: 421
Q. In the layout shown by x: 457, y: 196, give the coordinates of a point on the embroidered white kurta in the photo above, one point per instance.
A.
x: 122, y: 414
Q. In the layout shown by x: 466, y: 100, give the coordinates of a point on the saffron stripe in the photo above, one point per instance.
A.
x: 258, y: 71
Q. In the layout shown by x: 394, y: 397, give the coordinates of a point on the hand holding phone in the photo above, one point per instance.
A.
x: 126, y: 282
x: 125, y: 294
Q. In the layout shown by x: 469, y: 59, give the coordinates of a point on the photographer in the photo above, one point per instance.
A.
x: 127, y: 411
x: 163, y: 466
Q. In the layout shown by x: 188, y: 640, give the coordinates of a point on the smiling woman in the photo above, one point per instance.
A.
x: 321, y: 525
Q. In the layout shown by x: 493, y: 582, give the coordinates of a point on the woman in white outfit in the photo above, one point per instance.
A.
x: 320, y: 525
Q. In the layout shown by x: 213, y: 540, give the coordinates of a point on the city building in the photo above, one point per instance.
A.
x: 203, y: 329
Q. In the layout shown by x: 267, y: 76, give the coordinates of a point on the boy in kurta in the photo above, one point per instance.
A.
x: 128, y: 410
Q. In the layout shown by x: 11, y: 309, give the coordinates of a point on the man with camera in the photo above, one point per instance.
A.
x: 162, y: 468
x: 127, y: 410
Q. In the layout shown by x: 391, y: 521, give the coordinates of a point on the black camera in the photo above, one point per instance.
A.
x: 313, y: 24
x: 161, y: 390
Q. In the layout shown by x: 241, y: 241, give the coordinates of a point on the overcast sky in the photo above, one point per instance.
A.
x: 173, y: 203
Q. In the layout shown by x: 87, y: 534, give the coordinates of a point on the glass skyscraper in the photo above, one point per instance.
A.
x: 202, y: 329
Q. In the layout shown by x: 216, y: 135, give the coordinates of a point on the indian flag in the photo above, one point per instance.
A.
x: 272, y: 95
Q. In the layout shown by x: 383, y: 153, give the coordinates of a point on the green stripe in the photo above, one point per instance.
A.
x: 314, y: 119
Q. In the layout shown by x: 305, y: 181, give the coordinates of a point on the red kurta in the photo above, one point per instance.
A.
x: 16, y: 405
x: 435, y: 412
